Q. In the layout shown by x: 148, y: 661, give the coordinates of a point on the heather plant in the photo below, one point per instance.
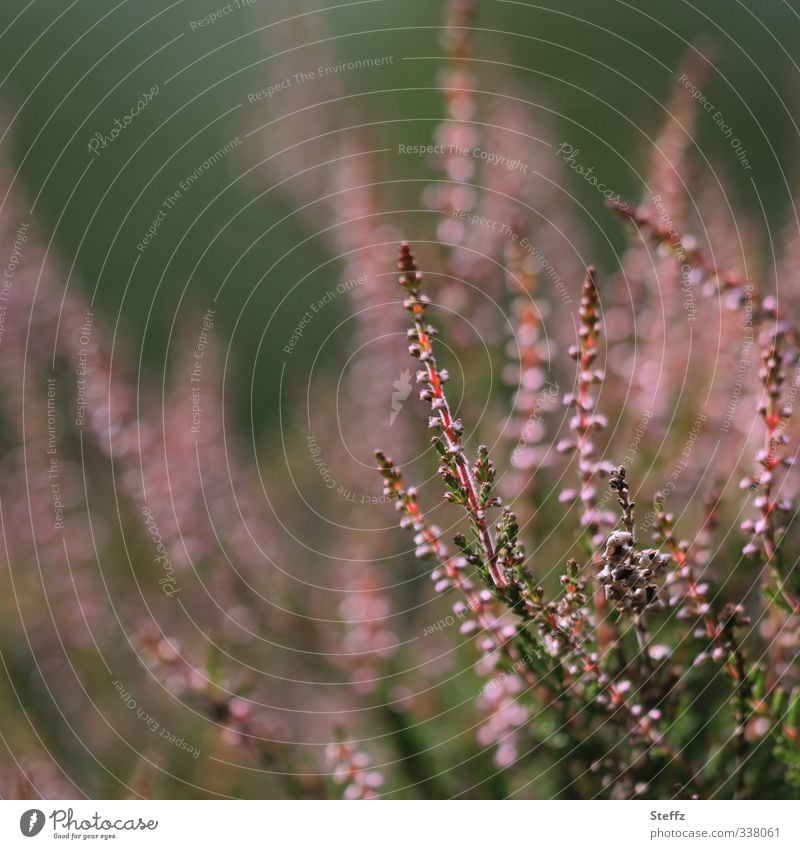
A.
x: 619, y: 671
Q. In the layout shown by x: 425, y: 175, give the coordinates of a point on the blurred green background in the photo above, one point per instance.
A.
x: 70, y: 69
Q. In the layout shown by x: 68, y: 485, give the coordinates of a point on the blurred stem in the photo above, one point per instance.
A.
x: 642, y: 640
x: 413, y: 757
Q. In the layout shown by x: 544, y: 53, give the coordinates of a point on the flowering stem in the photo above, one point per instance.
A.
x: 422, y: 347
x: 766, y: 533
x: 586, y: 420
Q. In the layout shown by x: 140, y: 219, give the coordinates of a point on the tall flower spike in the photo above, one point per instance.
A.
x: 686, y: 591
x: 457, y: 133
x: 525, y: 372
x: 768, y: 529
x: 586, y: 421
x: 456, y: 471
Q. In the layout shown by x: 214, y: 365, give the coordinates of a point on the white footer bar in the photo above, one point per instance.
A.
x: 400, y: 825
